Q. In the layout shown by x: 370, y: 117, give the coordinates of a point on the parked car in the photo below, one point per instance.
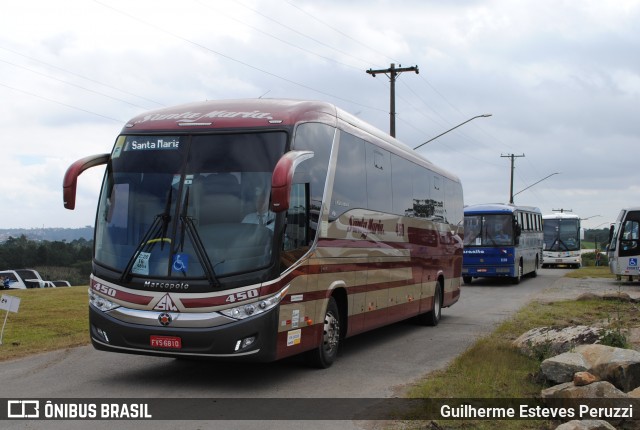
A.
x: 61, y: 283
x: 21, y: 279
x: 11, y: 280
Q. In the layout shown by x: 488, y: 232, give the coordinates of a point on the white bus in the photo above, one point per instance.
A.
x: 562, y: 236
x: 624, y: 244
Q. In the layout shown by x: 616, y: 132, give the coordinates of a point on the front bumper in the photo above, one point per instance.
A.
x: 222, y: 340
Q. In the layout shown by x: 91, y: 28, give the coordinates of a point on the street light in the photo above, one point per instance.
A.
x: 589, y: 217
x: 462, y: 123
x: 546, y: 177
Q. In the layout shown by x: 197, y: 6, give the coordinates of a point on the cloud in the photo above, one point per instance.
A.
x: 557, y: 76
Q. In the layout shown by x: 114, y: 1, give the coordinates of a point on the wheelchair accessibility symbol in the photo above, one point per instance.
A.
x: 633, y: 262
x: 180, y: 262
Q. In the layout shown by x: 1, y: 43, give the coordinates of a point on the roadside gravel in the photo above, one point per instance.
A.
x: 572, y: 288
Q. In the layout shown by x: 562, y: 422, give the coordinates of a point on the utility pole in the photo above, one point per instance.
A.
x: 513, y: 157
x: 392, y: 72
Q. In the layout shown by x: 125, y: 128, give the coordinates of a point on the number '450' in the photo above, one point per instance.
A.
x: 242, y: 295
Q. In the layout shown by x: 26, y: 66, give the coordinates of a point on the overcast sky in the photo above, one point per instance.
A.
x: 560, y: 78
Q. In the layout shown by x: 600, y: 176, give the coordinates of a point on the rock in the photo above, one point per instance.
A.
x: 586, y: 425
x: 619, y: 366
x: 545, y: 342
x: 597, y: 390
x: 561, y: 368
x: 584, y: 378
x: 634, y: 393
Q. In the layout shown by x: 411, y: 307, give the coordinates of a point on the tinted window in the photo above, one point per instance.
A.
x: 319, y: 139
x: 349, y: 189
x: 378, y: 179
x: 422, y: 203
x: 402, y: 185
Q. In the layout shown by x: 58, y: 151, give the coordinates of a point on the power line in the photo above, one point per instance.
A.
x: 81, y: 76
x: 286, y: 42
x: 61, y: 103
x: 339, y: 31
x: 243, y: 63
x: 300, y: 33
x: 73, y: 85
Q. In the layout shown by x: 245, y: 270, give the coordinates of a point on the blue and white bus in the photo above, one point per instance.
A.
x: 501, y: 240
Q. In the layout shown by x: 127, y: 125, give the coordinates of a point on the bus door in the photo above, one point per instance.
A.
x: 626, y: 245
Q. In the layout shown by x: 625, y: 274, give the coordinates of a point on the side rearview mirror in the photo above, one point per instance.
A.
x: 70, y: 180
x: 282, y: 178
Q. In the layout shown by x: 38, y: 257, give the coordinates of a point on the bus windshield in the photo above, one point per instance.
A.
x: 488, y: 230
x: 188, y: 206
x: 561, y: 234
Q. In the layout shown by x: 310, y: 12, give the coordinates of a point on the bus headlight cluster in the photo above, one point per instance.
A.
x: 255, y: 308
x: 100, y: 302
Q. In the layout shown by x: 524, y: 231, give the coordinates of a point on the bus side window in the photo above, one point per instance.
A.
x: 517, y: 230
x: 297, y: 229
x: 630, y: 235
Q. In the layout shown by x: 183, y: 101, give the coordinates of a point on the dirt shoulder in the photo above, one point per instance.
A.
x: 572, y: 288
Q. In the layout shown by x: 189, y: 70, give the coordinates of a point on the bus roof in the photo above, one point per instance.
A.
x: 217, y: 114
x: 498, y: 208
x: 561, y: 215
x: 261, y: 113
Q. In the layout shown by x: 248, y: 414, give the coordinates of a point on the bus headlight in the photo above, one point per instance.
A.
x: 255, y: 308
x: 101, y: 303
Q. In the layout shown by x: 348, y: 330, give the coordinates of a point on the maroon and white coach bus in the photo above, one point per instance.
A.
x: 260, y: 229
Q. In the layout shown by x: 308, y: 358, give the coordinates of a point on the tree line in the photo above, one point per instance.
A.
x: 49, y: 256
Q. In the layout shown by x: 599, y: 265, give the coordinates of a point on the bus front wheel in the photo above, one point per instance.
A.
x: 516, y: 279
x: 325, y: 354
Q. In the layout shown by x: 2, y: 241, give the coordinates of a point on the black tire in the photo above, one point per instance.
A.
x: 516, y: 279
x: 432, y: 318
x: 467, y: 279
x: 325, y: 354
x: 535, y: 269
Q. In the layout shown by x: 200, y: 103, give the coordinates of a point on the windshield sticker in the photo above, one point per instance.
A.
x: 117, y: 149
x: 152, y: 143
x: 181, y: 262
x: 141, y: 266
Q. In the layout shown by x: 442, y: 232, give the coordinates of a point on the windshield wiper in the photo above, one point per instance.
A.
x: 158, y: 228
x: 201, y: 252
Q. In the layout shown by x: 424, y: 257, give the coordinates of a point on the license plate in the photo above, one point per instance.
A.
x: 166, y: 342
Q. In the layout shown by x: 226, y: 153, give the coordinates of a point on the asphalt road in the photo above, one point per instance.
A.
x: 378, y: 364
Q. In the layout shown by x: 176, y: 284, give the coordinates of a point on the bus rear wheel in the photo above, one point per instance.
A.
x: 325, y: 354
x: 432, y: 318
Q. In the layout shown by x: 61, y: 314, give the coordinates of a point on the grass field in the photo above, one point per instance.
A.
x: 47, y: 319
